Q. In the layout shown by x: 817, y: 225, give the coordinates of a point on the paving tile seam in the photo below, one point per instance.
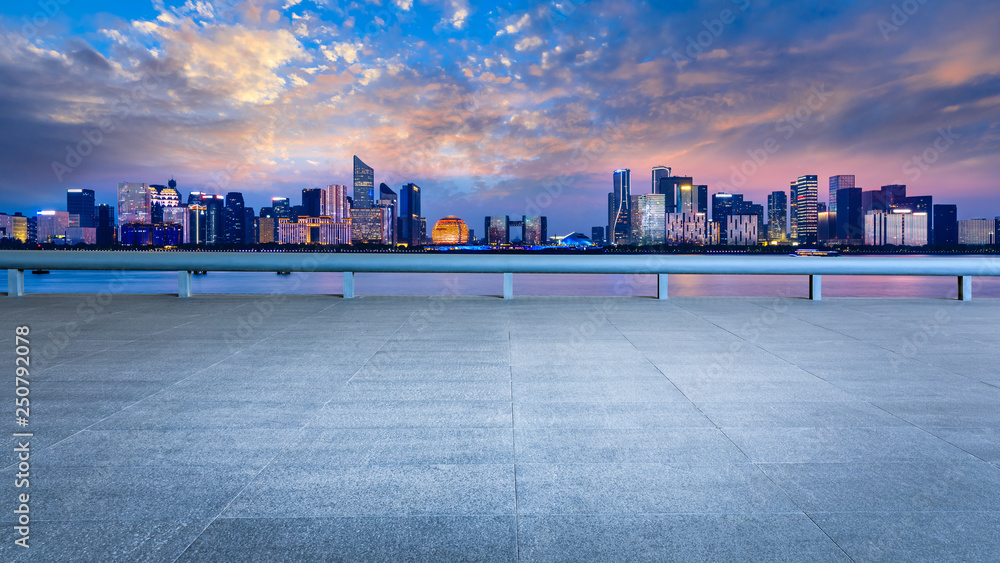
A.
x: 880, y: 347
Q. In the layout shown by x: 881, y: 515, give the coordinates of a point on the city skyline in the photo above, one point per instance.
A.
x: 499, y: 108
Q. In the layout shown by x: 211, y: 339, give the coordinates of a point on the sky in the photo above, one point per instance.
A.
x: 509, y: 108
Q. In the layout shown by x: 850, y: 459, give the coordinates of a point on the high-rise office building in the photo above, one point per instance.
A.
x: 106, y: 226
x: 177, y: 215
x: 133, y: 203
x: 234, y: 219
x: 850, y: 214
x: 409, y: 215
x: 282, y: 208
x: 370, y: 226
x: 741, y: 230
x: 597, y: 235
x: 793, y: 212
x: 213, y: 218
x: 945, y: 224
x: 80, y: 203
x: 336, y: 204
x: 690, y: 228
x: 618, y: 213
x: 977, y: 232
x: 806, y: 208
x: 533, y: 230
x: 843, y: 181
x: 658, y: 173
x: 197, y: 223
x: 14, y: 227
x: 251, y: 226
x: 826, y: 225
x: 687, y: 195
x: 51, y: 226
x: 364, y: 185
x: 777, y: 216
x: 898, y: 228
x: 724, y: 205
x: 312, y: 201
x: 389, y: 200
x: 317, y: 230
x: 652, y: 210
x: 497, y: 229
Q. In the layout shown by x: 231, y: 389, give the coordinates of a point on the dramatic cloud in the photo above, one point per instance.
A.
x: 510, y: 108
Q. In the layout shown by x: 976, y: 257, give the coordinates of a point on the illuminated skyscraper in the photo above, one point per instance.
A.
x: 533, y: 230
x: 213, y: 221
x: 51, y: 226
x: 901, y: 227
x: 844, y: 181
x: 652, y: 209
x: 409, y: 214
x: 806, y: 222
x: 687, y: 197
x: 14, y: 227
x: 620, y: 220
x: 364, y: 185
x: 389, y: 200
x: 282, y: 209
x: 234, y: 219
x: 178, y: 215
x: 370, y: 226
x: 133, y: 203
x: 335, y: 204
x: 659, y: 172
x: 315, y: 230
x: 741, y: 230
x: 977, y: 232
x: 80, y: 203
x: 777, y: 216
x: 497, y: 229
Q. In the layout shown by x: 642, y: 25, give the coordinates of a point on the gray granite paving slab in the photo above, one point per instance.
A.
x: 595, y: 413
x: 889, y: 486
x: 290, y: 491
x: 132, y: 493
x: 622, y: 445
x: 323, y: 447
x: 647, y: 488
x: 406, y: 414
x: 361, y: 538
x: 842, y: 445
x: 105, y: 540
x: 914, y: 536
x: 682, y: 537
x: 802, y: 414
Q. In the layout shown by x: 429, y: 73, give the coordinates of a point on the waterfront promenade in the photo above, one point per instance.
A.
x: 275, y: 428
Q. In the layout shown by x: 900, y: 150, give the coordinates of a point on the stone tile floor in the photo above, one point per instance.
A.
x: 274, y: 428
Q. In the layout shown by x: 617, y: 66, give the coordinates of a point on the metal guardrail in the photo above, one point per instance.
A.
x: 662, y: 265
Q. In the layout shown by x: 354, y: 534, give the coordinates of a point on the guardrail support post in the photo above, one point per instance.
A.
x: 965, y: 288
x: 15, y: 283
x: 661, y: 286
x: 183, y: 284
x: 508, y: 286
x: 348, y: 285
x: 816, y: 288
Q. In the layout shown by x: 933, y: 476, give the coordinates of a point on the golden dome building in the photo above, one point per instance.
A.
x: 450, y: 230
